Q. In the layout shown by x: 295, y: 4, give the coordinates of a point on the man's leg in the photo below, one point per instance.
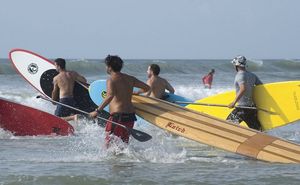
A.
x: 250, y: 117
x: 235, y: 116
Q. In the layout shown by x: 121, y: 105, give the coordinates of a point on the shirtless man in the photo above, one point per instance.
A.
x: 157, y: 84
x: 63, y: 88
x: 119, y: 93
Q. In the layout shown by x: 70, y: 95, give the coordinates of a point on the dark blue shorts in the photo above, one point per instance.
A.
x: 62, y: 111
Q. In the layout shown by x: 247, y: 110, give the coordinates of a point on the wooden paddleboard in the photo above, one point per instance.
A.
x: 213, y: 131
x: 283, y: 98
x: 22, y: 120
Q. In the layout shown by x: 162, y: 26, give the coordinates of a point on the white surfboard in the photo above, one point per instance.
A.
x: 31, y: 66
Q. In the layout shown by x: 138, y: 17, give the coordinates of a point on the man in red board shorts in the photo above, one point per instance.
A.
x: 119, y: 93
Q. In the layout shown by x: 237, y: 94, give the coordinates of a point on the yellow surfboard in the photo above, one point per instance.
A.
x: 281, y: 99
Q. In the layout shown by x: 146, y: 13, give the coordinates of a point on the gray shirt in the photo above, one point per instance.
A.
x: 249, y: 80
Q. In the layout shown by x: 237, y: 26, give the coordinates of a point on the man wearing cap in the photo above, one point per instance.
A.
x: 244, y: 83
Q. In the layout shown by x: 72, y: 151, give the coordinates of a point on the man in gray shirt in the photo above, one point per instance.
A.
x: 244, y: 83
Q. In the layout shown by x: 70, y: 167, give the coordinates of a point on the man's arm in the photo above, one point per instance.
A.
x: 79, y: 78
x: 210, y: 79
x: 149, y: 83
x: 55, y: 91
x: 169, y: 87
x: 143, y: 87
x: 258, y: 81
x: 109, y: 96
x: 110, y: 93
x: 238, y: 95
x: 203, y: 79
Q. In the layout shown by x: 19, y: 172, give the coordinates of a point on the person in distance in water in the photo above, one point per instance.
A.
x: 118, y: 96
x: 207, y: 79
x: 63, y: 89
x: 244, y: 83
x: 157, y: 84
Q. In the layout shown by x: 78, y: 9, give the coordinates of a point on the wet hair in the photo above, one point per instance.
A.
x: 115, y: 62
x: 155, y: 69
x: 212, y: 71
x: 60, y: 62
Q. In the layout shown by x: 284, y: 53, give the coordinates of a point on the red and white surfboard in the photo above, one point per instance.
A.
x: 22, y: 120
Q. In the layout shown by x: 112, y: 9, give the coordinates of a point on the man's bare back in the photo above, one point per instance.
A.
x: 121, y: 86
x: 119, y: 90
x: 64, y: 84
x: 158, y: 86
x: 65, y: 81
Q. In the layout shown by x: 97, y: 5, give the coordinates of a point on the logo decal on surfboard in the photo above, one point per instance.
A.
x: 175, y: 127
x: 33, y: 68
x: 103, y: 94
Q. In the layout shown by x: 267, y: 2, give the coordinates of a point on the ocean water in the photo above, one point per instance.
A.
x: 166, y: 159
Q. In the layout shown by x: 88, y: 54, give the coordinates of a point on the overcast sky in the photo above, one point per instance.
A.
x: 152, y: 29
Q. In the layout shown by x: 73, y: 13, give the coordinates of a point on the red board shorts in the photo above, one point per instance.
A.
x: 126, y: 119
